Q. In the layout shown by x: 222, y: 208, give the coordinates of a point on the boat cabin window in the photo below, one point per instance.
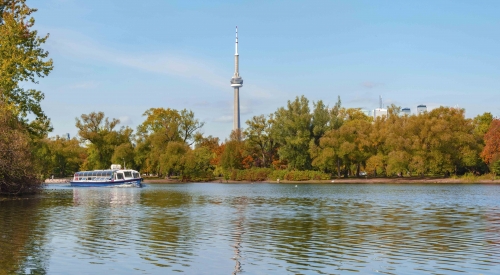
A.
x: 136, y: 175
x: 119, y: 176
x: 128, y: 174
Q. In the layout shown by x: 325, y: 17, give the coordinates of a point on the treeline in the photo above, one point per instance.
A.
x: 293, y: 143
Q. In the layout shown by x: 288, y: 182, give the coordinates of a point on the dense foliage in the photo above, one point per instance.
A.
x: 17, y: 164
x: 23, y: 124
x: 22, y: 60
x: 294, y: 143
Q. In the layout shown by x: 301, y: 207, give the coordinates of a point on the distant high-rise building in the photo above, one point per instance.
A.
x: 366, y: 112
x: 236, y: 83
x: 406, y: 111
x: 379, y: 112
x: 421, y: 109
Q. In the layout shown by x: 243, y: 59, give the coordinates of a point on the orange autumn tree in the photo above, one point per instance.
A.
x: 491, y: 151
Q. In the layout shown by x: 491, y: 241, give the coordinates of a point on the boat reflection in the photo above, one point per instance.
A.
x: 111, y: 196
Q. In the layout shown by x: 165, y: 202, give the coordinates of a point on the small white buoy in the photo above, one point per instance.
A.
x: 333, y: 181
x: 278, y: 180
x: 295, y: 185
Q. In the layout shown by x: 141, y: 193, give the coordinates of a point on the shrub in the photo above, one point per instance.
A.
x: 17, y: 169
x: 299, y: 175
x: 495, y: 168
x: 254, y: 174
x: 262, y: 174
x: 278, y: 174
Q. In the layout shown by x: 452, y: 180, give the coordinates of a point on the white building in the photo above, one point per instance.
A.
x: 379, y: 112
x: 366, y: 112
x: 406, y: 111
x: 421, y: 109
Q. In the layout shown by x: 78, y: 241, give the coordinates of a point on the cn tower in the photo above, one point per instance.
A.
x: 236, y: 83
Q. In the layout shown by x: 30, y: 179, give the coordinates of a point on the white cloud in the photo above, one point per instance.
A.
x: 203, y: 103
x: 83, y: 85
x: 78, y: 46
x: 125, y: 120
x: 370, y: 84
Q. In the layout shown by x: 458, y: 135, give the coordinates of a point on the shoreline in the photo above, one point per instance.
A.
x: 417, y: 180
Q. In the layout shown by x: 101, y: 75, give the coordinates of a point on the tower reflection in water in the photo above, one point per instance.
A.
x: 239, y: 229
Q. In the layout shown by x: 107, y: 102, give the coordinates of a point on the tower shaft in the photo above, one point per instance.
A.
x: 236, y: 83
x: 236, y: 122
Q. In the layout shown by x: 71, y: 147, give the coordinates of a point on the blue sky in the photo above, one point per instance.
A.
x: 124, y: 57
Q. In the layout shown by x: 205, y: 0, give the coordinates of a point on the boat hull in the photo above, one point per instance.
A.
x: 132, y: 182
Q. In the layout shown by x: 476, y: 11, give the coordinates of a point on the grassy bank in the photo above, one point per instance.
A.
x: 282, y: 176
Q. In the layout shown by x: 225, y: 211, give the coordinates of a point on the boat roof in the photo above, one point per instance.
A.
x: 109, y: 170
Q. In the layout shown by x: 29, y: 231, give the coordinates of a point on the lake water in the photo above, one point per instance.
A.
x: 205, y: 228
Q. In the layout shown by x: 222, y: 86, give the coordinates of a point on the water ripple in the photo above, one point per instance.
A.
x: 254, y: 229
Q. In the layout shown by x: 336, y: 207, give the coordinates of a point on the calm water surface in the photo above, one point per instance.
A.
x: 254, y: 229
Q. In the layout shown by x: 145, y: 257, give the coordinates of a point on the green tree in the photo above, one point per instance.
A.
x: 22, y: 60
x: 161, y: 127
x: 175, y: 125
x: 292, y: 131
x: 495, y: 168
x: 66, y: 155
x: 348, y: 144
x: 320, y: 121
x: 197, y: 164
x: 336, y: 115
x: 259, y: 140
x: 450, y: 139
x: 355, y: 146
x: 172, y: 159
x: 124, y: 154
x: 58, y: 156
x: 482, y: 124
x: 438, y: 142
x: 232, y: 156
x: 325, y: 156
x: 188, y: 126
x: 102, y: 138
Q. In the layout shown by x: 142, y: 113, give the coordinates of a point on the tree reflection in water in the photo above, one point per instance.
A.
x: 254, y: 229
x: 22, y: 237
x: 105, y: 214
x: 167, y: 233
x: 348, y: 235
